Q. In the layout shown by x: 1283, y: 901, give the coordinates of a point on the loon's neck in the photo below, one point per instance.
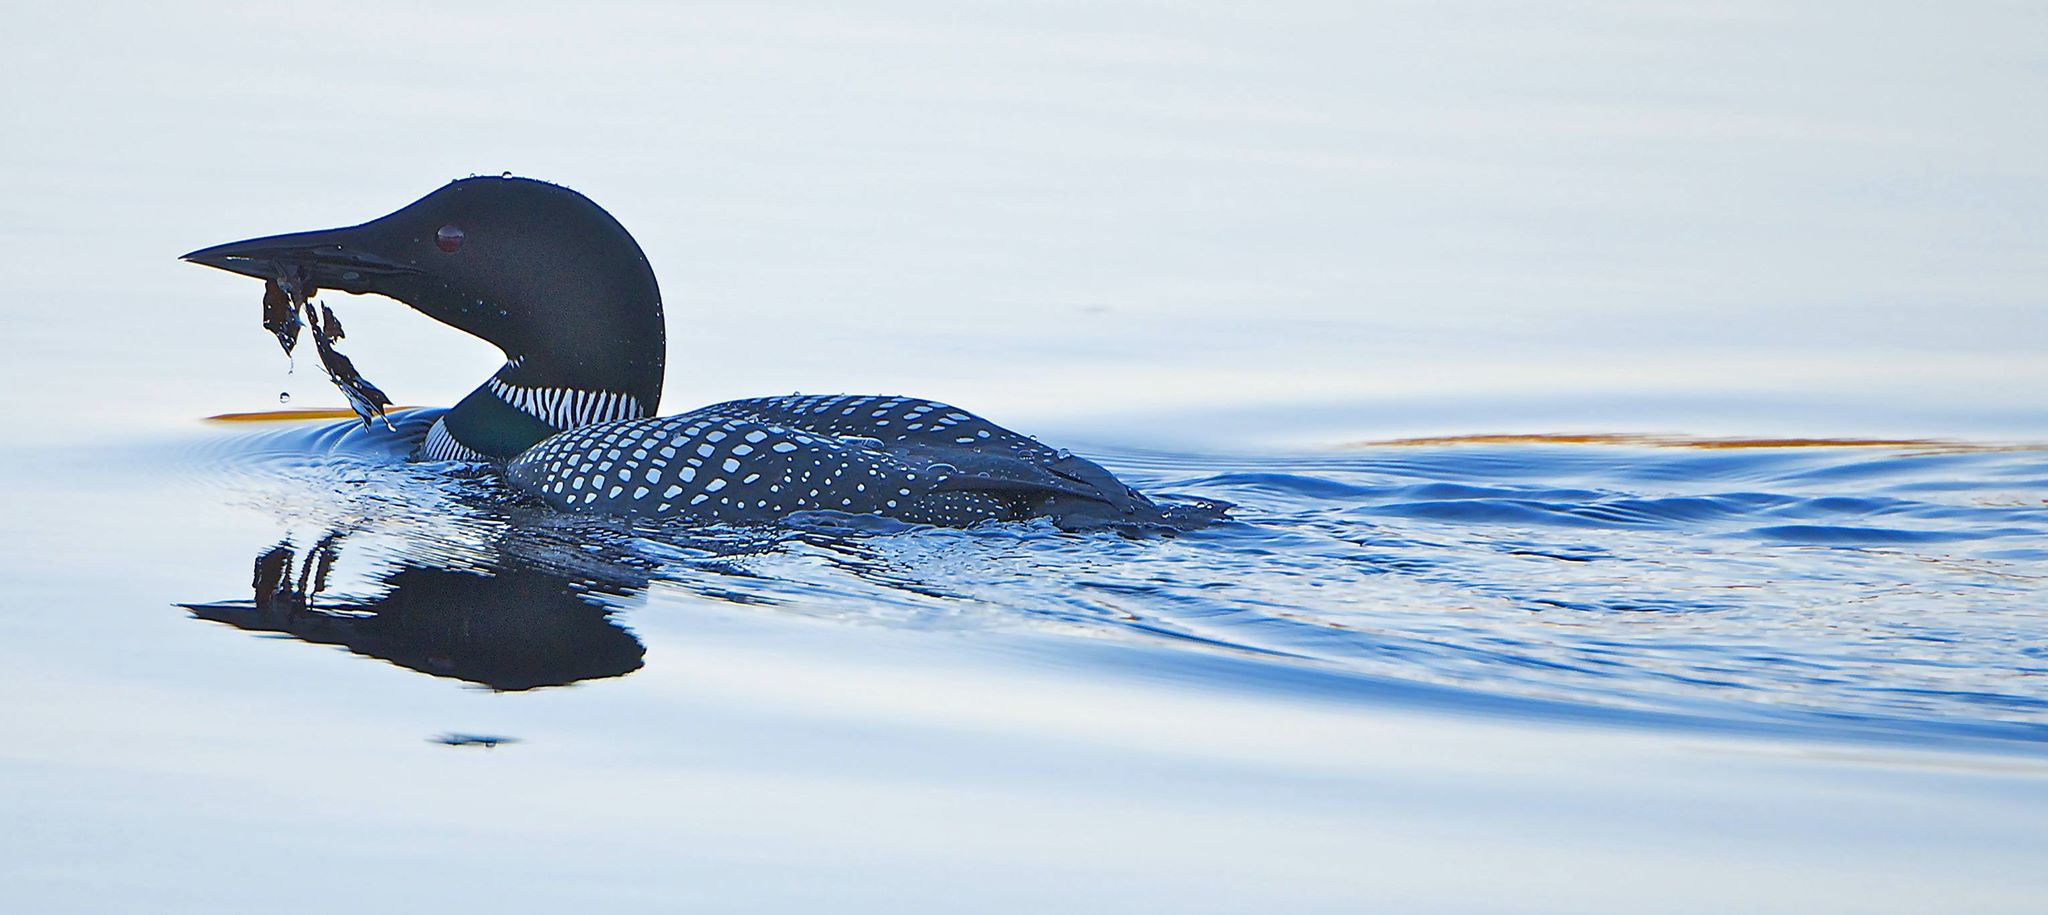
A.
x: 595, y: 357
x: 531, y: 398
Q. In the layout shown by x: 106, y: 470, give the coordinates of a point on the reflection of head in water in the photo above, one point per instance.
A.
x: 511, y: 625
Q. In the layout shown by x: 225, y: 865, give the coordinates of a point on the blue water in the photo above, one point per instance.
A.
x: 1233, y: 252
x: 1821, y: 590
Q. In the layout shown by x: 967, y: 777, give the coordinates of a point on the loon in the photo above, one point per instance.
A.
x: 557, y: 284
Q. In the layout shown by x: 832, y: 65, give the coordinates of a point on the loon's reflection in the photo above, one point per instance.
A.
x: 453, y: 575
x: 506, y: 624
x: 513, y: 599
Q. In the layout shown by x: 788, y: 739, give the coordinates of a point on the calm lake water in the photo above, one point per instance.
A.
x: 1634, y: 412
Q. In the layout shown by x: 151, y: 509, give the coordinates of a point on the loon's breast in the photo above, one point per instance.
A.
x: 765, y: 458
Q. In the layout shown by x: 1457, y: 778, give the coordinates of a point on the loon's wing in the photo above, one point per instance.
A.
x: 758, y: 460
x: 995, y: 472
x: 905, y: 421
x: 988, y: 457
x: 715, y: 464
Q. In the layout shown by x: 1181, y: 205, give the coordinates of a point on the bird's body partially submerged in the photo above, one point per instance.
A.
x: 563, y: 289
x: 763, y: 458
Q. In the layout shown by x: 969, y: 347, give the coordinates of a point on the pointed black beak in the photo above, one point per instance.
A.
x: 333, y: 257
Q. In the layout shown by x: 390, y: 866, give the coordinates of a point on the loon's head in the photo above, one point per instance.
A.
x: 535, y: 268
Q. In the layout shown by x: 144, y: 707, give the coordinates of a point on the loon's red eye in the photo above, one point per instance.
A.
x: 448, y: 239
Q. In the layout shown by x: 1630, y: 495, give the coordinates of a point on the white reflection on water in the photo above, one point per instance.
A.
x: 1156, y: 225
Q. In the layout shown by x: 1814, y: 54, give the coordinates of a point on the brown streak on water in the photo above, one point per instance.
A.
x: 279, y: 416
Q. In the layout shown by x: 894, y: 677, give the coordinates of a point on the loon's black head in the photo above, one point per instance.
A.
x: 535, y: 268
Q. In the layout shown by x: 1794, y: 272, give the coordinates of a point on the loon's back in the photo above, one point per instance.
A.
x: 764, y: 458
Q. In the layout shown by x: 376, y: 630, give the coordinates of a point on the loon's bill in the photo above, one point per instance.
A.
x: 565, y: 292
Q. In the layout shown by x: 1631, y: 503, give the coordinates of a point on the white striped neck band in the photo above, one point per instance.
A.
x: 565, y: 408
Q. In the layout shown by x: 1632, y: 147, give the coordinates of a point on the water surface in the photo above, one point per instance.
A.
x: 1819, y: 588
x: 1373, y: 272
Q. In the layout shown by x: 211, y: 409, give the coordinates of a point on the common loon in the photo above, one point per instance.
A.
x: 558, y: 285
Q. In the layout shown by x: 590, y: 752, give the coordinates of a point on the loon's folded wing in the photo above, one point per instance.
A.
x: 986, y: 472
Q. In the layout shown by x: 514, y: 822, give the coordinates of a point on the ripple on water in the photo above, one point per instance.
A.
x: 1894, y: 589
